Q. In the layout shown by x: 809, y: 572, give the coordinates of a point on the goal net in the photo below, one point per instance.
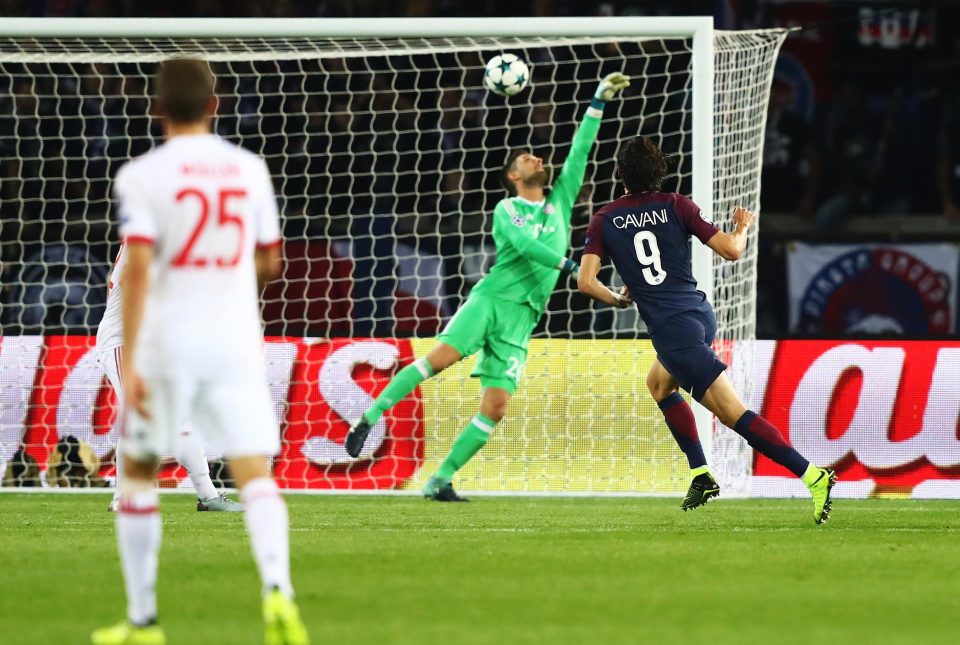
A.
x: 385, y: 154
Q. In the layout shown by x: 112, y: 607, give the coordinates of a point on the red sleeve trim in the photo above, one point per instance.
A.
x: 139, y: 239
x: 593, y: 244
x: 707, y: 230
x: 269, y: 245
x: 692, y: 221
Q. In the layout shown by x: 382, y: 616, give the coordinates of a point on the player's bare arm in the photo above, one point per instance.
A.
x: 730, y: 246
x: 136, y: 281
x: 267, y: 263
x: 588, y: 284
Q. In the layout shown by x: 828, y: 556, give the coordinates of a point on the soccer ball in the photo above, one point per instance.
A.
x: 506, y: 74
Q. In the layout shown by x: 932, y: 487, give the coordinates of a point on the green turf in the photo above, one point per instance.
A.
x: 506, y: 570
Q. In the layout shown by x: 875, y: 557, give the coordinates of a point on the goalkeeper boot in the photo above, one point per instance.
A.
x: 128, y: 634
x: 114, y: 506
x: 439, y: 489
x: 702, y: 489
x: 820, y: 491
x: 282, y: 622
x: 357, y: 437
x: 221, y: 503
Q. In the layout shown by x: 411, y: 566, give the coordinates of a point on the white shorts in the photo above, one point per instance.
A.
x: 111, y: 360
x: 235, y: 416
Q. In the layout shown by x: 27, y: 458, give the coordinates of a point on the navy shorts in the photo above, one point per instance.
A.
x: 683, y: 344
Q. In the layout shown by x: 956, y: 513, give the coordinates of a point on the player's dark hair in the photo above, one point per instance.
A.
x: 184, y: 89
x: 641, y: 165
x: 508, y: 167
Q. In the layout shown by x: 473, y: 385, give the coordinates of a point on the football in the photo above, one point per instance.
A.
x: 506, y: 74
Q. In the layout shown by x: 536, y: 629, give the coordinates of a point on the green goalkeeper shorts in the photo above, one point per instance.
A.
x: 500, y: 331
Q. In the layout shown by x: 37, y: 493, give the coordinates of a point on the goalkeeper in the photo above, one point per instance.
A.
x: 532, y: 236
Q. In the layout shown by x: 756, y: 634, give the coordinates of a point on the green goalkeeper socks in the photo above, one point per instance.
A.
x: 400, y: 386
x: 467, y: 444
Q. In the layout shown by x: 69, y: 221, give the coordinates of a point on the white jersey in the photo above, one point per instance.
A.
x: 110, y: 330
x: 205, y: 205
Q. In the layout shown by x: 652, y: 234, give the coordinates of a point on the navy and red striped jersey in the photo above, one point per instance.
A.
x: 647, y: 236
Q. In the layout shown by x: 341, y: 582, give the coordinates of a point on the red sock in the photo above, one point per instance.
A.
x: 764, y: 437
x: 683, y: 427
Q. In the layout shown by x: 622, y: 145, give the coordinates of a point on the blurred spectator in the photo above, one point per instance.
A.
x: 791, y: 164
x: 59, y: 289
x: 73, y: 464
x: 948, y: 160
x: 864, y: 150
x: 543, y: 124
x: 97, y: 8
x: 22, y: 471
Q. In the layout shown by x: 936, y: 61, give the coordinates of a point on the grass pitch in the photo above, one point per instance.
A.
x: 505, y: 570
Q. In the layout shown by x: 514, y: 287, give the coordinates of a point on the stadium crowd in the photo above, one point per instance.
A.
x: 877, y: 132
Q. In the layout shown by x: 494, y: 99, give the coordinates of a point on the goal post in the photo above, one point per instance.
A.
x: 356, y: 28
x: 385, y: 152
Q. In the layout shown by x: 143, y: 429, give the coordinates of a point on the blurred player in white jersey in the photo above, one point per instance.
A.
x: 188, y: 450
x: 199, y: 222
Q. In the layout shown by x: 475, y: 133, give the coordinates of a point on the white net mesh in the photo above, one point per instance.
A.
x: 743, y: 71
x: 385, y: 155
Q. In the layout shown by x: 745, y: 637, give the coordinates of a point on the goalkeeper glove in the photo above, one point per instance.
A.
x: 569, y: 267
x: 610, y: 85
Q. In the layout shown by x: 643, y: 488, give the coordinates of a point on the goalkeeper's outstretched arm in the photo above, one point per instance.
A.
x: 575, y: 166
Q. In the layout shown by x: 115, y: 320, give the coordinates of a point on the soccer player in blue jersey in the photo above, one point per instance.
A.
x: 646, y: 233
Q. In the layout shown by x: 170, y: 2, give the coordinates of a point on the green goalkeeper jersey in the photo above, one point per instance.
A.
x: 532, y: 238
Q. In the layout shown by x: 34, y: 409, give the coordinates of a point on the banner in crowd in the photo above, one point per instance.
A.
x: 884, y: 414
x: 873, y: 289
